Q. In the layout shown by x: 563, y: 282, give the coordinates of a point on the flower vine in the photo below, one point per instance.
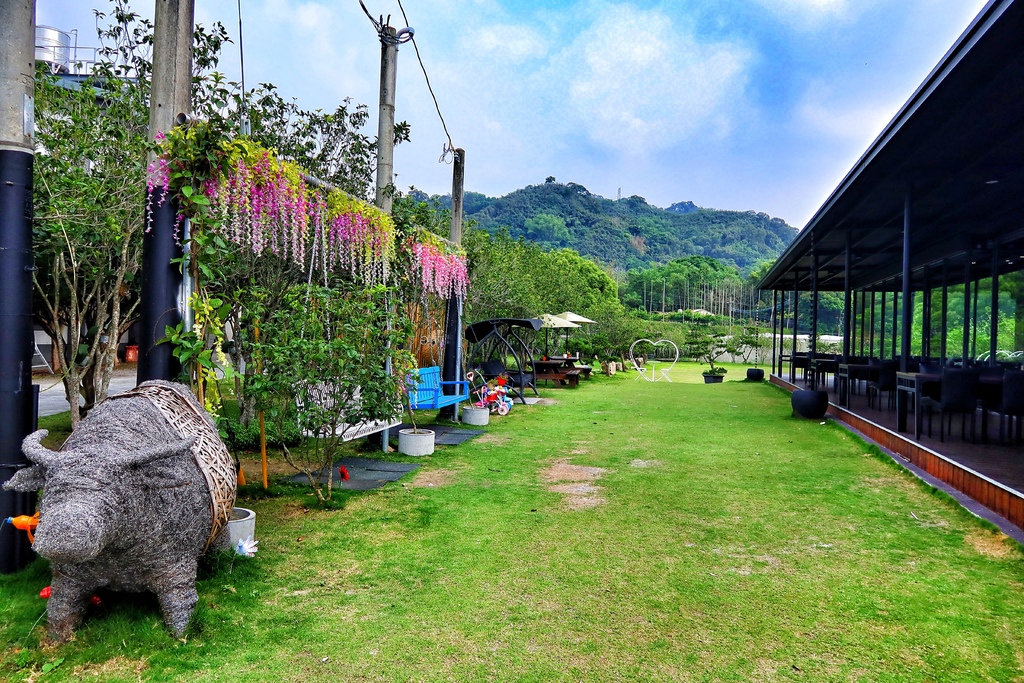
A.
x: 441, y: 269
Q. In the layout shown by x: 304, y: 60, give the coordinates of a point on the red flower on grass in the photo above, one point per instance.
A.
x: 343, y: 472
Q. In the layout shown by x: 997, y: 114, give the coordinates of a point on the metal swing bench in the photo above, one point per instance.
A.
x: 498, y: 350
x: 428, y: 392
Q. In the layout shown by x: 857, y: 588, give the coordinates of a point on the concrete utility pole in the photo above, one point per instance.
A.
x: 386, y: 116
x: 17, y: 398
x: 452, y: 367
x: 170, y: 97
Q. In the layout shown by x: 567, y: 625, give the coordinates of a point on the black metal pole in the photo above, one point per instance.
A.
x: 908, y: 302
x: 451, y: 368
x: 993, y: 342
x: 926, y: 316
x: 17, y: 396
x: 881, y: 325
x: 863, y: 334
x: 796, y: 314
x: 775, y: 322
x: 871, y: 341
x: 945, y: 313
x: 814, y: 317
x: 161, y: 283
x: 847, y: 303
x: 966, y: 345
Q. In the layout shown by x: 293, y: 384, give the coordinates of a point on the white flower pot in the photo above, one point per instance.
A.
x: 415, y: 441
x: 476, y: 416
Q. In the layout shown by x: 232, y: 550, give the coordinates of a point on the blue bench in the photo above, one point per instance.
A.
x: 428, y: 393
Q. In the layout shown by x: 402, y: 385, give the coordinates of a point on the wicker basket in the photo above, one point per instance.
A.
x: 183, y: 412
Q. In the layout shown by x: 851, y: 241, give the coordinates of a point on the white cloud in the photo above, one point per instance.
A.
x: 509, y: 43
x: 811, y: 15
x: 823, y: 110
x: 637, y: 81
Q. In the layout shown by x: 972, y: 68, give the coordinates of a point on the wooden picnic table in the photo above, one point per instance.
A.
x: 557, y: 370
x: 570, y: 362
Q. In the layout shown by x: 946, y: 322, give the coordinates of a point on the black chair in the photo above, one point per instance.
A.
x: 1011, y: 407
x: 959, y: 394
x: 886, y: 381
x: 800, y: 360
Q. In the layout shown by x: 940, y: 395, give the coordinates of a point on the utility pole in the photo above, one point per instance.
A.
x: 17, y: 396
x: 453, y: 315
x: 170, y: 103
x: 386, y: 117
x: 389, y: 40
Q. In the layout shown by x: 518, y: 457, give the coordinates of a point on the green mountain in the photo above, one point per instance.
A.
x: 629, y: 232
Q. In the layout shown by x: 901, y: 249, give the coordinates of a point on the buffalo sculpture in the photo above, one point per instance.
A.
x: 130, y: 502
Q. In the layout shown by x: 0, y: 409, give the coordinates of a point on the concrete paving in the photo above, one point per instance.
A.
x: 51, y: 389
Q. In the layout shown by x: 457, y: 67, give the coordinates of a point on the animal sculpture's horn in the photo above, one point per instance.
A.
x: 35, y: 451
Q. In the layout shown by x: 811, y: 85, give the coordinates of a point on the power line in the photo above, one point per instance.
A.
x: 451, y: 145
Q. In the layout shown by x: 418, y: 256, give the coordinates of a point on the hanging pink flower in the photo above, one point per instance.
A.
x: 443, y: 274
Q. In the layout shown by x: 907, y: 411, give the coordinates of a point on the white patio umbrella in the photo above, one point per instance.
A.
x: 574, y: 318
x: 548, y: 322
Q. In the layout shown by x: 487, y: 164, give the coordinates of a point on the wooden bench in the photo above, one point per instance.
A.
x: 428, y: 392
x: 562, y: 378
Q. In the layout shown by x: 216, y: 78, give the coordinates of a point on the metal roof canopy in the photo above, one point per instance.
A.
x: 957, y: 148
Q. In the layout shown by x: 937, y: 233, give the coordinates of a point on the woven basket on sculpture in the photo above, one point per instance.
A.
x: 184, y: 413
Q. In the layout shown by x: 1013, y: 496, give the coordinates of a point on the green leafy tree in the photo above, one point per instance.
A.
x: 546, y: 229
x: 89, y: 196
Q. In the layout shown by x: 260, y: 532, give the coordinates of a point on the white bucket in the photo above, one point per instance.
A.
x: 241, y: 525
x: 415, y: 441
x: 476, y: 416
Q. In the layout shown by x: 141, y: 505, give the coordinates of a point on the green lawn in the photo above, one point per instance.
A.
x: 727, y: 541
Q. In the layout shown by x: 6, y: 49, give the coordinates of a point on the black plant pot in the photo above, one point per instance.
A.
x: 755, y: 374
x: 810, y: 403
x: 713, y: 379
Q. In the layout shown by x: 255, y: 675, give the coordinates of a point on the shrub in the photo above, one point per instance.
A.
x: 247, y: 437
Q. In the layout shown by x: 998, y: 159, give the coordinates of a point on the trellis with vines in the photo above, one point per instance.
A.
x: 309, y: 282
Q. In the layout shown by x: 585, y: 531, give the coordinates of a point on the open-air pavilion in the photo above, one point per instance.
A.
x: 924, y: 238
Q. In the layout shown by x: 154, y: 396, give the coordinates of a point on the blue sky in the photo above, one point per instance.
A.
x: 731, y: 104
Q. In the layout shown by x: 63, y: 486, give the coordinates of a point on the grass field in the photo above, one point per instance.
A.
x: 624, y: 531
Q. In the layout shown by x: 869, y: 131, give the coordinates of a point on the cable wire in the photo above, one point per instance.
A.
x: 451, y: 145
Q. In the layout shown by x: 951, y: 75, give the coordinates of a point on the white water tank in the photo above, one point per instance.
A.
x: 53, y: 47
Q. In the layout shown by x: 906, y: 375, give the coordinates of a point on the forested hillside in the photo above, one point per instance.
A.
x: 630, y: 233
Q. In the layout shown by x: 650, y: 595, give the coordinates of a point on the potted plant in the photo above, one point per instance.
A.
x: 476, y: 413
x: 748, y: 342
x: 415, y: 441
x: 706, y: 345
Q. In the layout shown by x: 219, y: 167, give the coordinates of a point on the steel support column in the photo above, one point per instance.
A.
x: 908, y: 303
x: 814, y: 316
x: 17, y: 397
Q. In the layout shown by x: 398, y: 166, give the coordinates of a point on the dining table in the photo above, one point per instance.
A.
x: 847, y: 374
x: 557, y: 370
x: 911, y: 386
